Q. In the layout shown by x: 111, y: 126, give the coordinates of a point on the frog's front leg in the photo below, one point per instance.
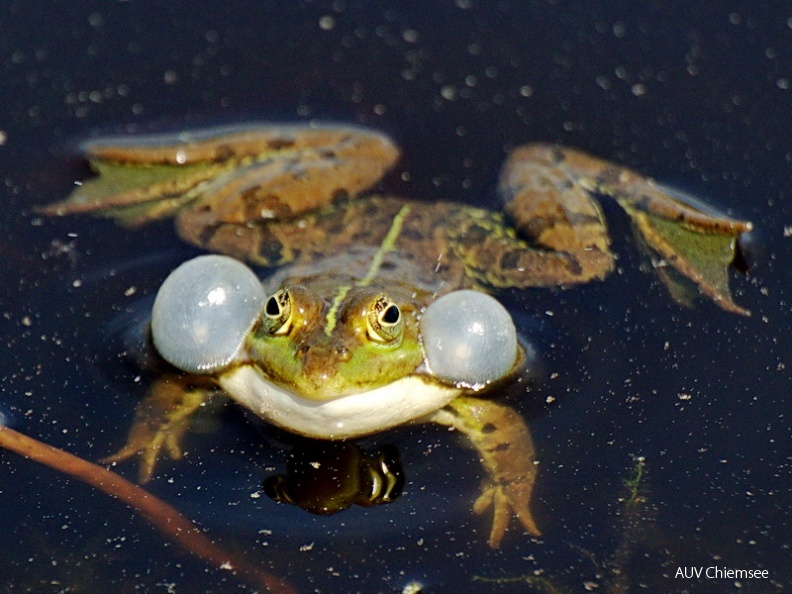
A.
x: 549, y: 191
x: 161, y: 420
x: 504, y: 444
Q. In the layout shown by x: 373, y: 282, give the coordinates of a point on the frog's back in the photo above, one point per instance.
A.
x: 379, y: 239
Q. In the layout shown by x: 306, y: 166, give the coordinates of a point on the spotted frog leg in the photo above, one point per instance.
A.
x: 503, y: 442
x: 227, y: 177
x: 549, y: 190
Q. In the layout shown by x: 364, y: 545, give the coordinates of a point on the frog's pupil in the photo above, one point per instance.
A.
x: 390, y: 315
x: 272, y: 308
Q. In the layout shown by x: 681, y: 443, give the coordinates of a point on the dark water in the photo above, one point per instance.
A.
x: 697, y: 95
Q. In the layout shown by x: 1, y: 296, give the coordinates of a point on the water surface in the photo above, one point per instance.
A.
x: 696, y: 96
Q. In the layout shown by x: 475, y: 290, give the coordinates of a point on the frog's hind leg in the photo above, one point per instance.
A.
x: 555, y: 214
x: 233, y: 176
x: 235, y: 209
x: 549, y: 192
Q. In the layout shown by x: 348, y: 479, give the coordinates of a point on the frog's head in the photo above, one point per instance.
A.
x: 325, y: 340
x: 211, y: 314
x: 326, y: 346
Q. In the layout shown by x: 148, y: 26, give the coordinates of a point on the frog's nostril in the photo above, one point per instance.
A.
x: 342, y: 352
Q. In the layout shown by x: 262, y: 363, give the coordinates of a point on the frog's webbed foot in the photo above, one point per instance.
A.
x: 161, y: 420
x: 548, y: 191
x: 504, y: 444
x: 506, y: 501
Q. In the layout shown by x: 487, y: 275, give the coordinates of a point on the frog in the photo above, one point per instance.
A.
x: 368, y: 315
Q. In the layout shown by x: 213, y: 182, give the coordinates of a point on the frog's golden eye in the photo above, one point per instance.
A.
x: 277, y: 318
x: 384, y: 321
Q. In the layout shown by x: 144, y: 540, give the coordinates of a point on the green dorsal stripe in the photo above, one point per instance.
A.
x: 386, y: 246
x: 331, y: 313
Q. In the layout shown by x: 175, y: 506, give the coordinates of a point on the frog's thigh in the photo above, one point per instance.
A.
x: 244, y: 242
x: 552, y: 209
x: 548, y: 202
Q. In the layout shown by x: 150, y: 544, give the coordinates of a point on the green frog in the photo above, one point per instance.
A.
x: 376, y: 313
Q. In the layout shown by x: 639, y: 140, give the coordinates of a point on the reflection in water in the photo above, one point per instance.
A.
x: 326, y: 477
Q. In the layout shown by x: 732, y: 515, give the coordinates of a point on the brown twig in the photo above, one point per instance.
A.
x: 163, y: 516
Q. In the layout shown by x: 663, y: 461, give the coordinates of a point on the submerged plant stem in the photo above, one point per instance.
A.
x: 163, y: 516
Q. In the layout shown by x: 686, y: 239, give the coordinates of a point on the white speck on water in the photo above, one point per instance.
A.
x: 327, y: 22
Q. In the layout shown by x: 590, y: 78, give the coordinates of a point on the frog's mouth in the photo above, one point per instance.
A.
x: 404, y: 400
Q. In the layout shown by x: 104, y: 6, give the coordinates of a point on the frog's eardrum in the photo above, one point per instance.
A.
x: 469, y: 338
x: 203, y: 311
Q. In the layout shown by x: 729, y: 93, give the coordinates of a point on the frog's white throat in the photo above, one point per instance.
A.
x: 404, y: 400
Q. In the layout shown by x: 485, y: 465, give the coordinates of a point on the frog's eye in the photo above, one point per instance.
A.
x: 384, y: 321
x: 277, y: 318
x: 469, y: 338
x: 203, y: 311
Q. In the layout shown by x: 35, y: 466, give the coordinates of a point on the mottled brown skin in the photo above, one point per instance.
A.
x: 293, y: 197
x: 279, y: 194
x: 565, y: 225
x: 547, y: 191
x: 459, y: 245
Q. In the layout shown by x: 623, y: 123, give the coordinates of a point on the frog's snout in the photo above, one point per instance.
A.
x: 320, y: 364
x: 311, y: 353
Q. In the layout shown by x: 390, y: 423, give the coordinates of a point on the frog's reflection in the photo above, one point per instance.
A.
x: 326, y: 477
